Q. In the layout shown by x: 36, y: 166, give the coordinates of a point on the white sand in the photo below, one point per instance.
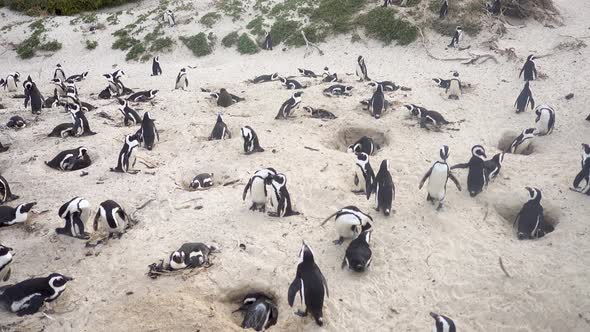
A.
x: 424, y: 261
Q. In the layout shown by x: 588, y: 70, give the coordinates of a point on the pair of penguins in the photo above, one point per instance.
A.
x: 147, y: 134
x: 279, y: 198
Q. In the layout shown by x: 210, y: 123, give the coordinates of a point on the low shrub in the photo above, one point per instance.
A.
x: 209, y: 19
x: 381, y: 23
x: 231, y: 39
x: 61, y: 7
x: 281, y: 30
x: 246, y: 45
x: 198, y: 44
x: 91, y: 44
x: 162, y: 44
x: 135, y: 52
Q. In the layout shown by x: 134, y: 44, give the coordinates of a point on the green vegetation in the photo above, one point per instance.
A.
x: 314, y: 34
x: 36, y: 42
x: 338, y: 14
x: 232, y: 8
x: 382, y: 23
x: 210, y: 19
x: 198, y: 44
x: 123, y: 41
x: 355, y: 37
x: 247, y: 45
x: 162, y: 44
x: 188, y: 6
x: 263, y: 6
x: 283, y: 29
x: 231, y: 39
x: 61, y: 7
x: 50, y: 46
x: 113, y: 19
x: 288, y: 8
x: 91, y: 44
x: 135, y: 52
x: 256, y: 26
x: 465, y: 14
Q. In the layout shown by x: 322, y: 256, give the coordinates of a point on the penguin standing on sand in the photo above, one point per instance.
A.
x: 289, y: 105
x: 20, y: 214
x: 282, y: 197
x: 525, y: 98
x: 494, y: 165
x: 455, y: 88
x: 364, y: 177
x: 181, y: 80
x: 522, y: 142
x: 442, y: 323
x: 126, y: 159
x: 384, y: 189
x: 437, y: 176
x: 582, y: 179
x: 364, y: 144
x: 529, y: 69
x: 311, y: 285
x: 257, y: 188
x: 75, y: 212
x: 11, y: 82
x: 148, y: 133
x: 477, y: 176
x: 6, y: 194
x: 27, y: 297
x: 131, y: 117
x: 220, y: 130
x: 70, y: 160
x: 59, y: 73
x: 115, y: 217
x: 545, y: 120
x: 260, y: 312
x: 156, y: 69
x: 377, y: 103
x: 33, y: 96
x: 190, y: 255
x: 349, y: 222
x: 6, y: 255
x: 457, y: 37
x: 444, y: 9
x: 81, y: 125
x: 169, y: 17
x: 530, y: 219
x: 267, y: 45
x: 361, y: 69
x: 358, y: 255
x: 251, y: 144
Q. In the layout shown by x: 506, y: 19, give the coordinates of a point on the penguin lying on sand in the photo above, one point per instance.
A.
x: 358, y: 255
x: 522, y: 143
x: 6, y: 194
x: 318, y: 113
x: 16, y: 122
x: 142, y: 96
x: 306, y: 73
x: 224, y: 98
x: 10, y: 216
x: 385, y: 85
x: 260, y: 312
x: 190, y: 255
x: 70, y: 160
x: 338, y: 90
x: 364, y: 144
x: 202, y: 181
x: 427, y: 117
x: 62, y: 130
x: 6, y: 255
x: 27, y: 297
x: 265, y: 78
x: 291, y: 84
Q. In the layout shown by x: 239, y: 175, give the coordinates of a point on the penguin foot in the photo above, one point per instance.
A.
x: 301, y: 313
x: 339, y: 241
x: 439, y: 207
x: 253, y: 207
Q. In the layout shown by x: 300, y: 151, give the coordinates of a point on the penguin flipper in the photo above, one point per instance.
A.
x: 32, y: 305
x: 325, y: 282
x: 248, y: 186
x: 294, y: 288
x: 466, y: 165
x: 578, y: 178
x: 426, y: 176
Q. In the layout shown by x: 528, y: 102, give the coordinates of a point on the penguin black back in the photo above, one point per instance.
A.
x: 149, y: 132
x: 530, y: 219
x: 358, y: 254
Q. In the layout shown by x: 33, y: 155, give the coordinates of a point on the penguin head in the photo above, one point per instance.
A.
x: 373, y: 84
x: 108, y: 76
x: 132, y: 140
x: 219, y: 119
x: 528, y: 133
x: 359, y: 59
x: 367, y: 227
x: 499, y: 158
x: 58, y: 65
x: 153, y: 93
x: 282, y: 79
x: 437, y: 80
x: 534, y: 194
x: 585, y: 151
x: 246, y: 133
x: 455, y: 74
x: 58, y: 281
x: 122, y: 102
x: 24, y: 208
x: 177, y: 257
x: 274, y: 76
x: 459, y: 28
x: 16, y: 76
x: 84, y: 74
x: 348, y: 88
x: 384, y: 166
x: 442, y: 323
x: 478, y: 151
x: 308, y: 109
x: 444, y: 152
x: 119, y: 73
x: 279, y: 180
x: 5, y: 251
x: 301, y: 71
x: 82, y: 151
x: 297, y: 94
x: 306, y: 253
x: 157, y: 59
x: 531, y: 57
x: 362, y: 159
x: 56, y: 81
x: 183, y: 71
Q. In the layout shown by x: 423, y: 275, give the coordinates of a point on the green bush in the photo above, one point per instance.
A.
x: 50, y: 46
x: 281, y: 30
x: 135, y: 52
x: 256, y: 26
x: 91, y: 44
x: 209, y: 19
x: 124, y: 42
x: 61, y: 7
x: 247, y: 45
x: 338, y: 14
x: 231, y: 8
x: 231, y: 39
x: 198, y: 44
x: 162, y: 44
x: 27, y: 48
x: 381, y: 23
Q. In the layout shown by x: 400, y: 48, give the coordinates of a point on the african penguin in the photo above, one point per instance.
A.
x: 28, y: 296
x: 318, y: 113
x: 524, y: 99
x: 126, y: 159
x: 3, y: 148
x: 442, y: 323
x: 148, y: 134
x: 257, y: 188
x: 220, y: 130
x: 202, y: 181
x: 115, y: 217
x: 281, y: 197
x: 289, y: 105
x: 377, y: 102
x: 265, y: 78
x: 457, y: 37
x: 6, y: 255
x: 11, y: 82
x: 358, y: 255
x: 156, y: 69
x: 267, y: 45
x: 62, y: 130
x: 437, y: 176
x: 522, y: 142
x: 6, y: 194
x: 328, y: 77
x: 385, y: 85
x: 477, y: 176
x: 260, y: 312
x: 33, y: 96
x: 529, y: 69
x: 494, y: 165
x: 364, y: 177
x: 349, y: 222
x: 169, y: 18
x: 545, y: 120
x: 251, y: 143
x: 444, y: 9
x: 584, y: 175
x: 226, y: 99
x: 291, y: 84
x: 455, y: 88
x: 70, y: 160
x: 81, y: 125
x: 78, y: 77
x: 495, y: 7
x: 190, y: 255
x: 384, y: 189
x: 130, y: 116
x: 142, y: 96
x: 181, y: 80
x: 16, y: 122
x: 60, y: 87
x: 338, y: 90
x: 75, y: 213
x: 59, y: 73
x: 361, y: 69
x: 19, y: 214
x: 530, y: 220
x: 306, y: 73
x: 442, y: 83
x: 311, y: 285
x: 364, y: 144
x: 427, y: 117
x: 51, y: 101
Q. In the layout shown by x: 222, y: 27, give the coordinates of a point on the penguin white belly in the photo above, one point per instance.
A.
x: 359, y: 178
x: 359, y: 71
x: 11, y: 85
x: 347, y: 226
x: 543, y: 123
x: 437, y: 182
x: 20, y: 217
x: 523, y: 146
x: 257, y: 191
x: 454, y: 89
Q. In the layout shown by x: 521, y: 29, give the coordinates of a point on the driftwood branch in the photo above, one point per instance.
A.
x: 503, y: 268
x: 308, y: 44
x: 472, y: 60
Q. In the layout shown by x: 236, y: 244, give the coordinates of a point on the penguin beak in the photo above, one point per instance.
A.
x: 68, y: 278
x: 433, y: 315
x: 9, y: 249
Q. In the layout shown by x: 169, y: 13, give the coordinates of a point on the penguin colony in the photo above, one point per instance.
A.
x: 267, y: 187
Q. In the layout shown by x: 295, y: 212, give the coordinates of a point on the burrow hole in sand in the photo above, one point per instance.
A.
x: 508, y: 137
x: 509, y: 205
x: 234, y: 298
x: 349, y: 135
